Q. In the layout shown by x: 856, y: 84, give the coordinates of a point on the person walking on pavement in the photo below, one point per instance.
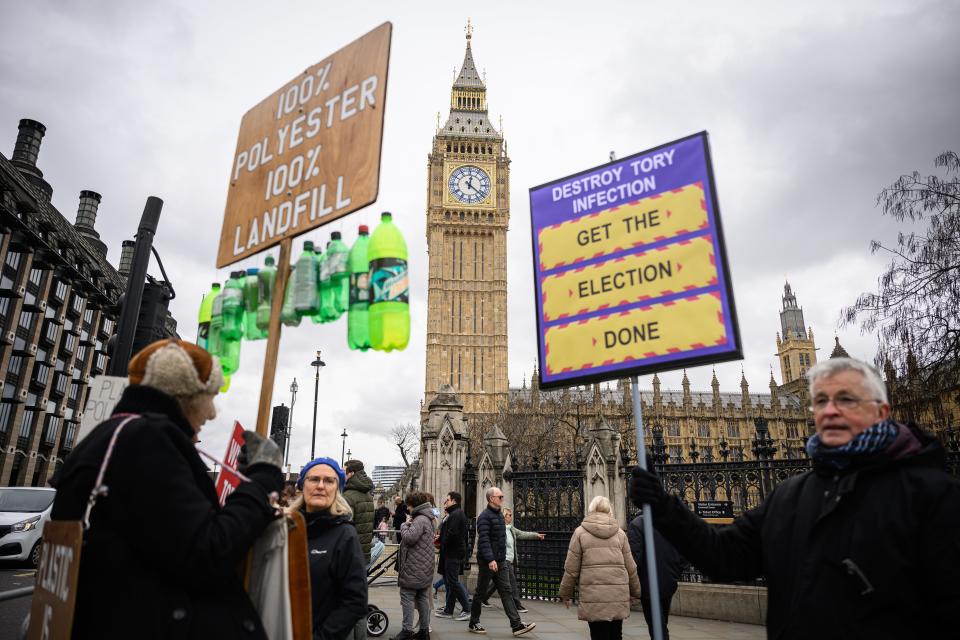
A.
x: 864, y: 545
x: 510, y: 565
x: 382, y: 513
x: 669, y: 568
x: 399, y: 515
x: 491, y: 555
x: 338, y: 579
x: 599, y: 559
x: 357, y: 494
x: 416, y: 568
x: 160, y: 555
x: 453, y: 552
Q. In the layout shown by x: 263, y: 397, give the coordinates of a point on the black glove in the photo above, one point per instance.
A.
x: 645, y: 488
x: 258, y: 450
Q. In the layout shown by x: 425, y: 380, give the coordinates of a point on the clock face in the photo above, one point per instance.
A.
x: 469, y: 184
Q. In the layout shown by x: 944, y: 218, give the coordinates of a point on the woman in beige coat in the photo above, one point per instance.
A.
x: 599, y: 558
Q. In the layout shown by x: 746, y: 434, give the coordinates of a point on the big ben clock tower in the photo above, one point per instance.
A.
x: 468, y: 211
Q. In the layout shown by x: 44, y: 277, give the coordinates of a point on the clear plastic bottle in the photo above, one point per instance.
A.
x: 215, y: 338
x: 389, y: 287
x: 251, y: 300
x: 305, y: 299
x: 323, y: 281
x: 288, y: 313
x: 265, y: 281
x: 358, y: 315
x: 233, y: 307
x: 338, y: 256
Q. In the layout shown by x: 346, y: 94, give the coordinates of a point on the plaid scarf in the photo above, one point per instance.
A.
x: 869, y: 442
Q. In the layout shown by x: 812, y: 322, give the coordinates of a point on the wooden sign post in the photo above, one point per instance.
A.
x: 306, y: 155
x: 54, y: 597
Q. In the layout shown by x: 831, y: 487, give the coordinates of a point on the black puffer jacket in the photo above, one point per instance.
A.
x: 669, y: 563
x: 491, y: 536
x: 870, y: 552
x: 338, y: 579
x: 453, y: 536
x: 357, y: 494
x: 160, y: 558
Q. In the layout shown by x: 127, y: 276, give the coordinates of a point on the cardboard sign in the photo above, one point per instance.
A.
x: 310, y: 152
x: 55, y: 593
x: 715, y: 511
x: 630, y: 269
x: 227, y: 481
x: 105, y: 392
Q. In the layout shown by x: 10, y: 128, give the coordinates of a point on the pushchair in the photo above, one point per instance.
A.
x: 377, y: 620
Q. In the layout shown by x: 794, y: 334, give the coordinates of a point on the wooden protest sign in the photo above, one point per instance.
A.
x: 55, y: 594
x: 105, y: 392
x: 310, y: 152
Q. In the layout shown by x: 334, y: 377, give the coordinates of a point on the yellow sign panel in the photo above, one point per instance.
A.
x: 681, y: 266
x: 662, y: 329
x: 652, y: 219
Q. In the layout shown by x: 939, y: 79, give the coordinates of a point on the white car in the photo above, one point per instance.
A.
x: 23, y: 512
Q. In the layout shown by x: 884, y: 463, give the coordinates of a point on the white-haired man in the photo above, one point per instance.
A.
x: 865, y: 545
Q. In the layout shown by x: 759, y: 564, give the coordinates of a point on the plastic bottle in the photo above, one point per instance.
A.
x: 230, y: 356
x: 338, y: 257
x: 323, y: 285
x: 389, y: 287
x: 226, y: 383
x: 358, y: 316
x: 206, y: 312
x: 265, y: 281
x: 215, y: 338
x: 288, y: 313
x: 305, y: 299
x: 233, y: 307
x: 251, y: 300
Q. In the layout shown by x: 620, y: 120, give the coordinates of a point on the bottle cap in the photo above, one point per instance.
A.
x: 364, y: 230
x: 386, y: 215
x: 269, y: 261
x: 215, y: 285
x: 252, y: 271
x: 308, y: 245
x: 335, y: 235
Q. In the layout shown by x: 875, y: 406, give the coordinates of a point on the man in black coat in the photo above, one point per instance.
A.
x: 669, y: 567
x: 491, y: 554
x: 160, y: 557
x: 863, y: 546
x: 453, y: 551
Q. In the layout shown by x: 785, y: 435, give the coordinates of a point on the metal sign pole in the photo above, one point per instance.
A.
x: 649, y: 550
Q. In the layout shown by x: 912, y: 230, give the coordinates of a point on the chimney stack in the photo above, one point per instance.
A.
x: 25, y: 153
x: 126, y: 257
x: 87, y: 218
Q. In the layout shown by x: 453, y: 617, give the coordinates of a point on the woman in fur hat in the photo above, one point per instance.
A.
x: 160, y: 556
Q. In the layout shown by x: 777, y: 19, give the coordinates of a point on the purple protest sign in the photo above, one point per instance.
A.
x: 630, y: 270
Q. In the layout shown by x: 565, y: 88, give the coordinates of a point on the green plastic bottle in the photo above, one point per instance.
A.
x: 265, y: 282
x: 233, y: 307
x: 226, y: 382
x: 215, y: 337
x: 288, y: 313
x: 251, y: 300
x: 305, y: 299
x: 358, y: 315
x: 322, y: 282
x: 338, y: 258
x: 389, y: 287
x: 230, y: 357
x: 206, y: 312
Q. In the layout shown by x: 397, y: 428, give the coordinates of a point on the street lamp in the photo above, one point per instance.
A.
x: 293, y: 399
x: 343, y: 448
x: 316, y: 364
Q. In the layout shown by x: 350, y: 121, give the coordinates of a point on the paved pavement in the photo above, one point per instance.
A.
x: 556, y: 622
x: 14, y: 575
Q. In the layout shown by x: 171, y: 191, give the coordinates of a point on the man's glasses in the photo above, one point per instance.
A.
x: 842, y: 402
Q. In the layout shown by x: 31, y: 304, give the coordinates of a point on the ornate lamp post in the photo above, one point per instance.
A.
x: 316, y: 364
x: 343, y: 448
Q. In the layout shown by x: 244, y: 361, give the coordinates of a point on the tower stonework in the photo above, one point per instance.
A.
x: 796, y: 350
x: 468, y: 212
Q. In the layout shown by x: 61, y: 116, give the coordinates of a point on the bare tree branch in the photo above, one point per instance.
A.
x: 406, y: 438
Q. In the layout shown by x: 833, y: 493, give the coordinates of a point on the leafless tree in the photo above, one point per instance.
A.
x: 914, y: 309
x: 406, y: 438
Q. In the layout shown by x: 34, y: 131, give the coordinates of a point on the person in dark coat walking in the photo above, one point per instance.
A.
x: 669, y: 568
x: 338, y: 579
x: 399, y: 515
x: 862, y: 546
x: 416, y: 568
x: 491, y: 556
x: 357, y: 494
x: 382, y: 513
x: 453, y: 552
x: 160, y: 556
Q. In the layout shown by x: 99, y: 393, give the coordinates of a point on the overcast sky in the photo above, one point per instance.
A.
x: 811, y: 110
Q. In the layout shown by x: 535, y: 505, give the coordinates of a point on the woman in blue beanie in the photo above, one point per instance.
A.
x: 338, y: 579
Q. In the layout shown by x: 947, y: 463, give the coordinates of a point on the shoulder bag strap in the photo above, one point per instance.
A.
x: 100, y: 489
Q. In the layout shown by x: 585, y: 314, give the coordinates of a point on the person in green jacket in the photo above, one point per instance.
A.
x: 513, y: 534
x: 357, y: 494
